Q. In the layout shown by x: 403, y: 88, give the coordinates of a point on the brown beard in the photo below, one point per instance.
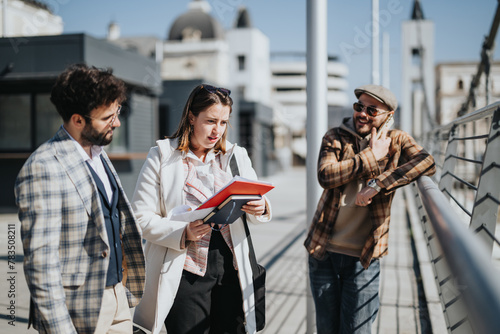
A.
x: 91, y: 136
x: 365, y: 133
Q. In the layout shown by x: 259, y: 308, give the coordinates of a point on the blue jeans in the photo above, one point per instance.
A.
x: 345, y: 294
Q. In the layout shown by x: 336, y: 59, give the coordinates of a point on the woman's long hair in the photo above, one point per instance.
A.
x: 201, y: 98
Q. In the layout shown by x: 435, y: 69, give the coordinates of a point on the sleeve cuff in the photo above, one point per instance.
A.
x: 184, y: 242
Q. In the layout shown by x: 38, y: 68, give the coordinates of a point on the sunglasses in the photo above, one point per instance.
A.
x: 371, y: 111
x: 213, y: 89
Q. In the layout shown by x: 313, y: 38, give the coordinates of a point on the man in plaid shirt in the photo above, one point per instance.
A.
x: 349, y: 232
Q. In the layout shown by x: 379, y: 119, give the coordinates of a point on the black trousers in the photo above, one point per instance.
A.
x: 211, y: 304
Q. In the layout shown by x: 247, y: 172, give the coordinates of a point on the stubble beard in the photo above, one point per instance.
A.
x: 93, y: 137
x: 363, y: 133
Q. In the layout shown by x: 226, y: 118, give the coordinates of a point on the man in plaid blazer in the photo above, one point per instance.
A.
x: 349, y: 232
x: 83, y: 256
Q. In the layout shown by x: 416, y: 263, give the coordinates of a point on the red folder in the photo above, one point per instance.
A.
x: 237, y: 186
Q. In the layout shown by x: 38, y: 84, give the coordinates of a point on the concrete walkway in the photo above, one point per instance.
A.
x: 279, y: 248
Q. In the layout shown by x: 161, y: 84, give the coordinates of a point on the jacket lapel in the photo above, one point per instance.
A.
x: 172, y: 175
x: 226, y: 158
x: 79, y: 174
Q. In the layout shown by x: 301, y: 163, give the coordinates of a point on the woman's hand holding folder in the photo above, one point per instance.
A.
x: 196, y: 230
x: 256, y: 208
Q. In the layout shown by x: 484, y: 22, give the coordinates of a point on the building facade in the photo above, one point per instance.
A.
x: 28, y: 118
x: 418, y: 78
x: 288, y: 92
x: 197, y: 49
x: 28, y: 18
x: 453, y: 81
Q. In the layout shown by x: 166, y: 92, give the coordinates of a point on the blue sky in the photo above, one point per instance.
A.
x: 460, y: 25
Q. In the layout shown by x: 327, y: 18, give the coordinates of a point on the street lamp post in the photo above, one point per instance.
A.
x: 317, y: 111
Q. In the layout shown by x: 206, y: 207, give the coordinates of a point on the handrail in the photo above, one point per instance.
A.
x: 469, y: 261
x: 473, y: 116
x: 468, y: 196
x: 459, y: 215
x: 464, y: 143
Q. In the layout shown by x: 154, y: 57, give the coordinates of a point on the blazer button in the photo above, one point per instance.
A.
x: 104, y: 254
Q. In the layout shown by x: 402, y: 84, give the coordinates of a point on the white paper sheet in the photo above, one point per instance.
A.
x: 184, y: 213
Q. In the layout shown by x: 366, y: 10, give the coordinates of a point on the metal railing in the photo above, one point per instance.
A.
x: 472, y: 281
x: 467, y: 171
x: 459, y: 216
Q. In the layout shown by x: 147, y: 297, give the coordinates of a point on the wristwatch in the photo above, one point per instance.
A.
x: 373, y: 184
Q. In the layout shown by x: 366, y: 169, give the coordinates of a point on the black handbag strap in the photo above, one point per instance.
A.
x: 253, y: 260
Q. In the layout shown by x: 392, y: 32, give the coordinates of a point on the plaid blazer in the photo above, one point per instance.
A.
x: 65, y: 242
x: 340, y: 162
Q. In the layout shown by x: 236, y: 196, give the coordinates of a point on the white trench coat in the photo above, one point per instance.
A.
x: 160, y: 189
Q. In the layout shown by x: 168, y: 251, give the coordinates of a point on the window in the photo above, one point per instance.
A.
x: 27, y: 120
x: 416, y: 56
x: 47, y: 121
x: 15, y: 122
x: 241, y: 92
x: 460, y: 85
x: 241, y: 63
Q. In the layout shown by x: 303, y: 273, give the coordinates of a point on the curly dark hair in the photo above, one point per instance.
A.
x: 80, y: 89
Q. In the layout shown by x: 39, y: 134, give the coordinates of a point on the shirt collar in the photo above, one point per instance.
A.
x: 210, y: 156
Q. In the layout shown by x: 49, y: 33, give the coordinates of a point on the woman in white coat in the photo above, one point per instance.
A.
x: 198, y: 277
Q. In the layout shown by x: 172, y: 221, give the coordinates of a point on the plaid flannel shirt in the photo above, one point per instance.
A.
x: 341, y: 162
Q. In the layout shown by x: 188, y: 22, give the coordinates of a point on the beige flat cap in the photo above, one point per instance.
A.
x: 380, y: 93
